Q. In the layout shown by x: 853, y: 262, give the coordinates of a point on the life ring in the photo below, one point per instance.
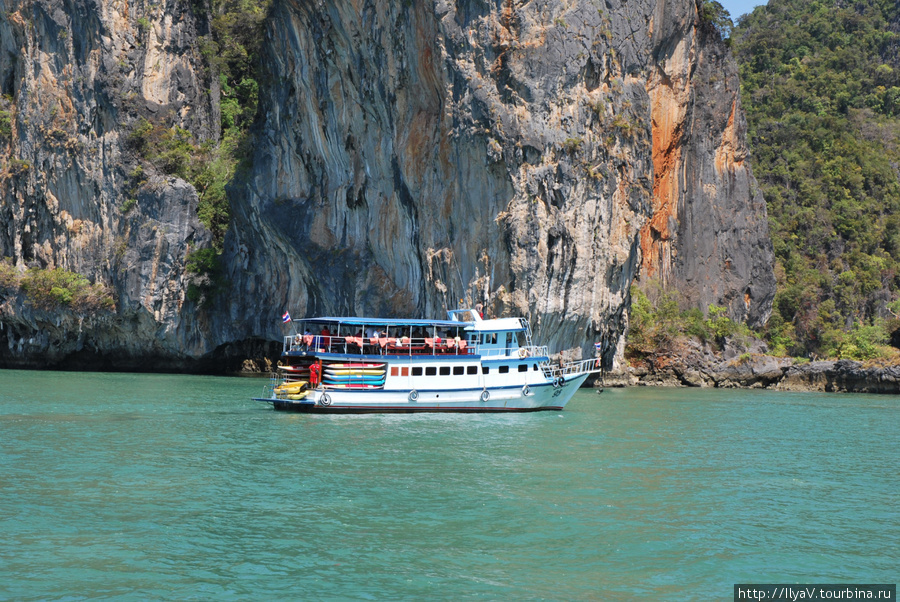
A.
x: 325, y: 400
x: 485, y: 395
x: 523, y: 353
x: 414, y: 395
x: 526, y: 391
x: 560, y: 381
x: 557, y: 382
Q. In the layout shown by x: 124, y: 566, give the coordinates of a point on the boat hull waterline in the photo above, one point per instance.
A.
x: 538, y: 398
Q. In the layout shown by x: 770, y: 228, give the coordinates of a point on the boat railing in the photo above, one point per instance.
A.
x: 512, y: 352
x: 578, y: 368
x: 360, y: 345
x: 269, y: 389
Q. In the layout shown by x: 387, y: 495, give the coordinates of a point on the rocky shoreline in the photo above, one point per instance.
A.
x: 754, y: 371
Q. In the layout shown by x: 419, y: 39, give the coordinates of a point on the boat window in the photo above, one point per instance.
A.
x: 417, y: 371
x: 445, y: 370
x: 523, y: 367
x: 471, y: 369
x: 503, y: 369
x: 485, y: 370
x: 535, y: 368
x: 457, y: 370
x: 430, y: 371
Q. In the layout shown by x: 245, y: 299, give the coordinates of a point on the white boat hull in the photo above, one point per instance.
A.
x: 534, y: 397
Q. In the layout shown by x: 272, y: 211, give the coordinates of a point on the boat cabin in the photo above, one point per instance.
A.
x: 465, y: 333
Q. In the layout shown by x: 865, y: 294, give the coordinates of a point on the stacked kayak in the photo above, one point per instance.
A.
x: 354, y: 376
x: 295, y: 390
x: 294, y: 373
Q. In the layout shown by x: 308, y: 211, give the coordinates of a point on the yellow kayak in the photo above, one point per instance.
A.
x: 298, y: 396
x: 294, y: 387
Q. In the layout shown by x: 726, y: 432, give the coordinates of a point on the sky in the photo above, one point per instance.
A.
x: 738, y: 7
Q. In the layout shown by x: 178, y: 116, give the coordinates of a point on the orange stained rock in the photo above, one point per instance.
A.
x: 728, y: 148
x: 667, y: 121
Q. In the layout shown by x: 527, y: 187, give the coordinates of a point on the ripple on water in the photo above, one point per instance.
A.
x: 179, y: 486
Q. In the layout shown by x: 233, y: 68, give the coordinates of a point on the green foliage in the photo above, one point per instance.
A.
x: 52, y: 289
x: 173, y: 151
x: 5, y: 125
x: 721, y: 326
x: 866, y: 342
x: 9, y: 278
x: 128, y: 205
x: 231, y: 51
x: 208, y: 280
x: 571, y: 145
x: 713, y: 15
x: 18, y: 166
x: 819, y: 83
x: 655, y: 325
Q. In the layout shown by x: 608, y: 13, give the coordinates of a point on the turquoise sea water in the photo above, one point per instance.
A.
x: 180, y: 487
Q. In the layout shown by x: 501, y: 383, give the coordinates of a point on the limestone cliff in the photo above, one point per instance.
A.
x: 707, y: 236
x: 79, y: 74
x: 407, y: 156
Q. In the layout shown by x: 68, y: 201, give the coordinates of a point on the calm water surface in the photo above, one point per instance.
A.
x: 158, y: 486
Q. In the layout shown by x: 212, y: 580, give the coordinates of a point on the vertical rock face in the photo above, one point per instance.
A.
x: 521, y: 155
x: 78, y: 75
x: 530, y: 156
x: 707, y: 236
x: 415, y: 156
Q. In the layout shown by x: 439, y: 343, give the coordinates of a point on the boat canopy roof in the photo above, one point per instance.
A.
x: 384, y: 322
x: 499, y: 325
x: 479, y: 325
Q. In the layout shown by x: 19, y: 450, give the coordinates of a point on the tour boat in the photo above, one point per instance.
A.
x: 462, y: 364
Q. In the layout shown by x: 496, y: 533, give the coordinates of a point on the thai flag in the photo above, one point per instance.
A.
x: 598, y: 346
x: 286, y: 318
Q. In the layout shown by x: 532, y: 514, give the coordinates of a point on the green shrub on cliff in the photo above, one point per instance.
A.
x: 231, y: 51
x: 713, y: 14
x: 5, y: 125
x: 654, y: 325
x: 207, y: 279
x: 820, y: 83
x: 9, y: 277
x: 57, y: 288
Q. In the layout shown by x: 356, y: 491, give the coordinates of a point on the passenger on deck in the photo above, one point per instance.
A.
x: 306, y: 340
x: 355, y: 343
x: 315, y: 371
x: 371, y: 346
